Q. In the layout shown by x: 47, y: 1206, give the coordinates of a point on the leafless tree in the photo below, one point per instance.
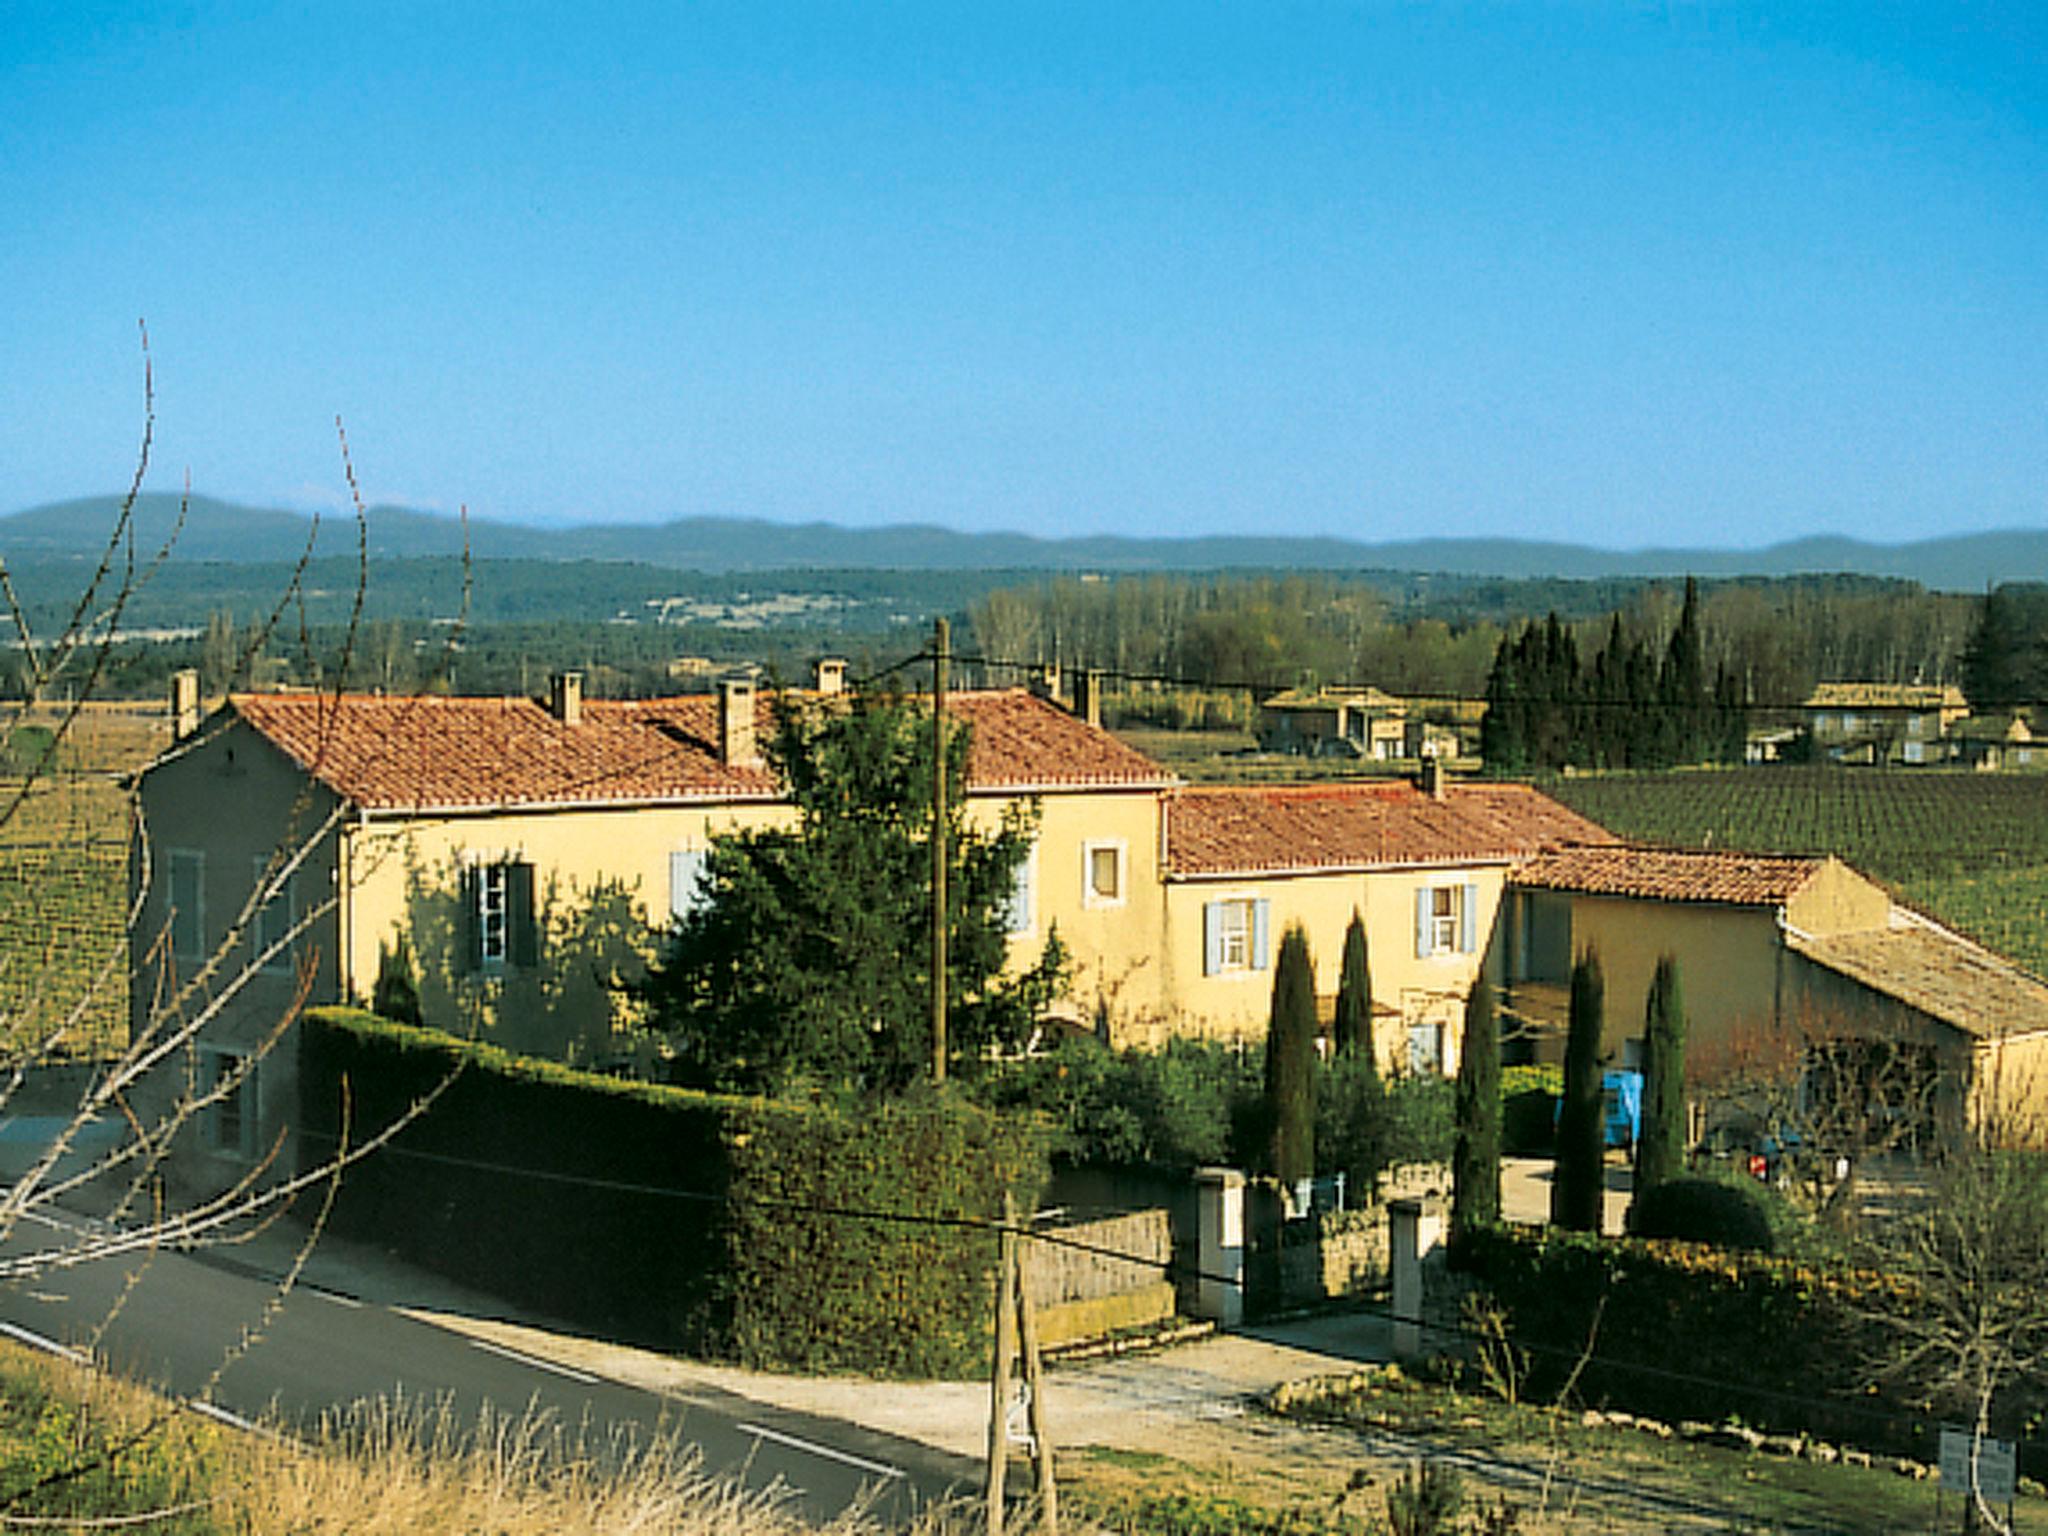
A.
x: 46, y: 1015
x: 1820, y: 1096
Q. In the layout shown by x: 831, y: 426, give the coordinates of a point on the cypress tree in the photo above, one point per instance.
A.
x: 1660, y: 1153
x: 1475, y: 1160
x: 1578, y: 1175
x: 1291, y: 1059
x: 1354, y: 999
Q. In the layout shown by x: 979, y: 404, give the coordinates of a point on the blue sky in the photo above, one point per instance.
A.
x: 1622, y: 274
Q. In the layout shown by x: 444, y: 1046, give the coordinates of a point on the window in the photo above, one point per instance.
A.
x: 491, y: 913
x: 1426, y: 1048
x: 1446, y: 920
x: 1234, y: 936
x: 498, y: 915
x: 686, y: 891
x: 1020, y: 911
x: 187, y: 880
x: 272, y: 925
x: 229, y: 1081
x: 1102, y: 874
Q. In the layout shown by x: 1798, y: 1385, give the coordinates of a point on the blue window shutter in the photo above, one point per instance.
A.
x: 685, y: 882
x: 1212, y: 937
x: 1422, y: 924
x: 1468, y: 922
x: 1261, y: 925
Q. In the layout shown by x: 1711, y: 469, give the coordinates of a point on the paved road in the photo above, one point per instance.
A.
x: 323, y: 1351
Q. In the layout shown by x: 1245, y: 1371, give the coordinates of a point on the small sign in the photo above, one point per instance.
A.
x: 1997, y: 1466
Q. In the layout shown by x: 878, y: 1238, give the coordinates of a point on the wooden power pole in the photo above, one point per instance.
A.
x: 942, y: 649
x: 1017, y: 1325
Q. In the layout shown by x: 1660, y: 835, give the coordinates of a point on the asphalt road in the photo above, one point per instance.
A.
x: 184, y: 1314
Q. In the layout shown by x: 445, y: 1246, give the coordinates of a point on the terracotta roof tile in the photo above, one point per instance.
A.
x: 430, y: 752
x: 1671, y: 874
x: 1253, y: 831
x: 1940, y: 973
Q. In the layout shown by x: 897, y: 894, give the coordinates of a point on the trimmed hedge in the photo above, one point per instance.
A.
x: 676, y: 1219
x: 1681, y: 1331
x: 1529, y: 1096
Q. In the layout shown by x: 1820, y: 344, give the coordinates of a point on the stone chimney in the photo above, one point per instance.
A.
x: 185, y: 710
x: 565, y: 697
x: 1088, y: 696
x: 1433, y: 776
x: 736, y: 723
x: 828, y: 675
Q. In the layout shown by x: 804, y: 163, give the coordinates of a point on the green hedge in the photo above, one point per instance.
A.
x: 1529, y: 1096
x: 1682, y: 1331
x: 681, y: 1220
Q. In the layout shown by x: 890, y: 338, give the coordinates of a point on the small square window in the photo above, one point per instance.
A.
x: 1103, y: 875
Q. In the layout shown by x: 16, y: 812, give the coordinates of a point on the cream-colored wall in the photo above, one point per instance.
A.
x: 1114, y: 948
x: 601, y: 894
x: 1728, y: 962
x: 237, y: 802
x: 1838, y: 900
x: 1236, y: 1005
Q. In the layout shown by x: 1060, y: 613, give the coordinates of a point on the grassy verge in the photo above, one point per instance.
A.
x: 79, y: 1451
x: 2005, y: 910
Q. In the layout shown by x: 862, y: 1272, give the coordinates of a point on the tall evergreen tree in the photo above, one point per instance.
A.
x: 1475, y: 1160
x: 1353, y: 1025
x: 2005, y: 662
x: 1291, y: 1059
x: 1660, y: 1150
x: 1682, y: 685
x: 1578, y: 1175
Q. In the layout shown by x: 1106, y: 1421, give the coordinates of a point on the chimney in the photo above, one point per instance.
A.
x: 565, y: 697
x: 1045, y: 681
x: 736, y: 722
x: 1088, y: 696
x: 184, y: 704
x: 1433, y: 776
x: 828, y: 675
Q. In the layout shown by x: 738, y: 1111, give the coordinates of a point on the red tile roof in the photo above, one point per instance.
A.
x: 1671, y: 874
x: 1270, y: 831
x: 429, y: 752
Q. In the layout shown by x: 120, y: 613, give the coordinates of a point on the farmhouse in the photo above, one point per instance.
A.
x: 1881, y: 722
x: 529, y: 853
x: 1767, y: 946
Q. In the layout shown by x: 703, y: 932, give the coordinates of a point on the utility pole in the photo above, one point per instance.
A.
x: 1017, y: 1325
x: 942, y: 652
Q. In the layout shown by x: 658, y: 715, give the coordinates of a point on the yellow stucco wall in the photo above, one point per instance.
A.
x: 1408, y: 990
x: 237, y: 804
x: 1728, y: 962
x: 1838, y: 900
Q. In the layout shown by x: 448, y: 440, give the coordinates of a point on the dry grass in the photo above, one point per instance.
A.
x: 378, y: 1469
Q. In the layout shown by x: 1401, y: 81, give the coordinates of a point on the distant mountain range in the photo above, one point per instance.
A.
x: 222, y: 531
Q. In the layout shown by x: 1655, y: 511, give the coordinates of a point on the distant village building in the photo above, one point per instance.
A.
x: 1994, y: 742
x: 1882, y: 722
x: 1338, y: 722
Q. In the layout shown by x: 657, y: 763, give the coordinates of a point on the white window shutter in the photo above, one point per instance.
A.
x: 685, y: 882
x: 1261, y: 928
x: 1468, y: 921
x: 1212, y: 937
x: 1422, y: 924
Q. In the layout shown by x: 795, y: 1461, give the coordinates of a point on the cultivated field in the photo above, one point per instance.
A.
x: 1969, y: 848
x: 64, y: 875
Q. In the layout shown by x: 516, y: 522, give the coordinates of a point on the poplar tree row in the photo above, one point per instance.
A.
x: 1546, y: 710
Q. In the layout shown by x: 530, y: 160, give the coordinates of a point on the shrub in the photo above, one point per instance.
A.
x: 1703, y: 1211
x: 1529, y: 1098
